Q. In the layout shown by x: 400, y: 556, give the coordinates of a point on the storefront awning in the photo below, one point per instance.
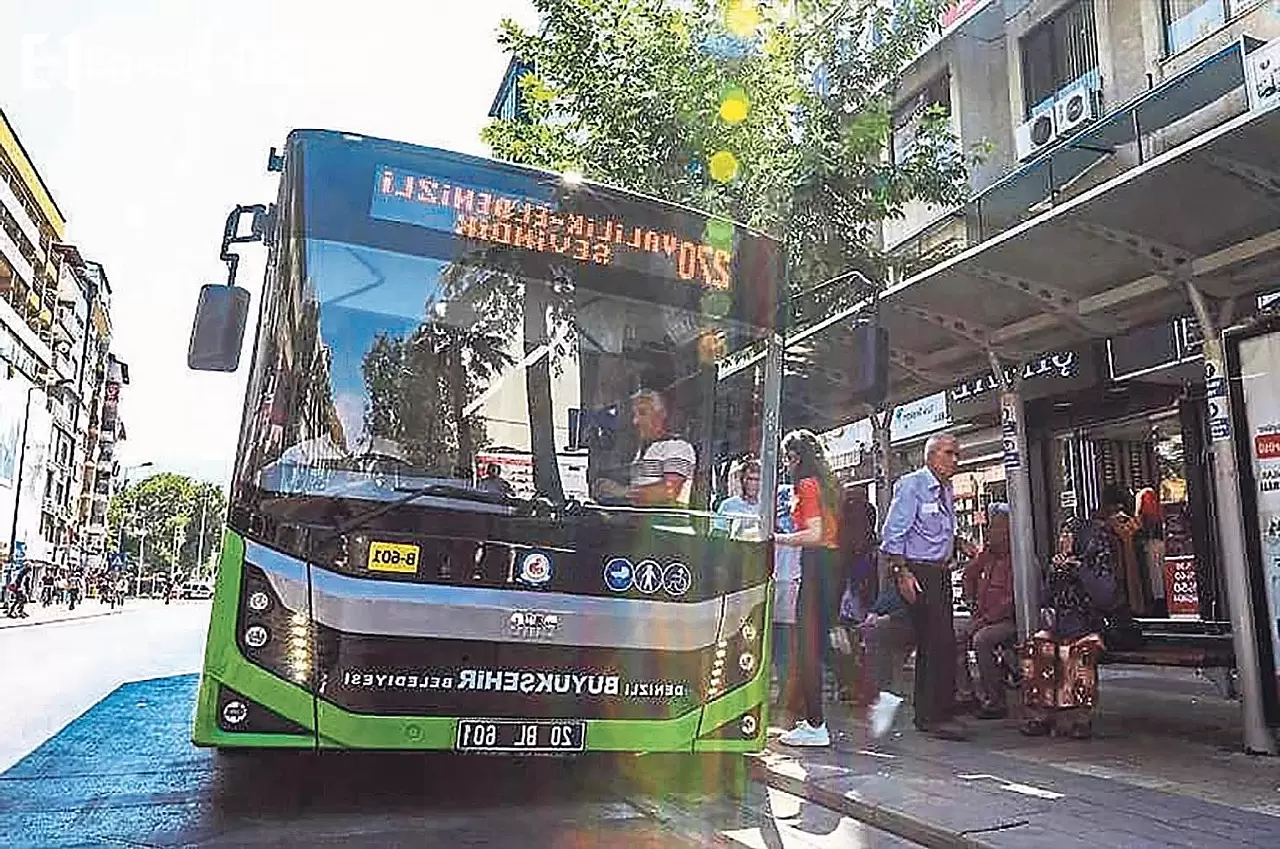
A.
x: 1097, y: 265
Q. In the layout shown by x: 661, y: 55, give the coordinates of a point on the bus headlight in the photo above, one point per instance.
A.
x: 743, y: 643
x: 275, y: 637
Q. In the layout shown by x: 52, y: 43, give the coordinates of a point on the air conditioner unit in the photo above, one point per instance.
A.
x: 1076, y: 106
x: 1262, y: 76
x: 1037, y: 133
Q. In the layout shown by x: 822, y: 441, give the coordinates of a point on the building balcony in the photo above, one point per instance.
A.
x: 9, y: 249
x: 10, y: 202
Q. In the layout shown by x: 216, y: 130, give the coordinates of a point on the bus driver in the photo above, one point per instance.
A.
x: 662, y: 471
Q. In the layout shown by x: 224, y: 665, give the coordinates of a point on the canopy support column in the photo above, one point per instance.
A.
x: 1013, y: 427
x: 1258, y: 738
x: 1175, y: 264
x: 882, y: 435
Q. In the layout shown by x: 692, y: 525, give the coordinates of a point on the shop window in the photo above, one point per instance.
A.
x: 1142, y: 454
x: 1058, y: 52
x: 935, y: 95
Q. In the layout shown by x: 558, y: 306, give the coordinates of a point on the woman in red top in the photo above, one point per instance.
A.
x: 818, y: 534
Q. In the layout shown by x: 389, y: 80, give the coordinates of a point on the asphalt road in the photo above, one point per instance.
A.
x: 101, y: 709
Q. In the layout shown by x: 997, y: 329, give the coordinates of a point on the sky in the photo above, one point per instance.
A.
x: 150, y: 119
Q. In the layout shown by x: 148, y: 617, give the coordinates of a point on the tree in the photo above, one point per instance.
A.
x: 168, y: 511
x: 778, y: 116
x: 419, y: 385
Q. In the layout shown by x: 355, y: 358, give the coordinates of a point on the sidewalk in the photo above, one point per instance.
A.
x: 58, y: 612
x: 1164, y: 769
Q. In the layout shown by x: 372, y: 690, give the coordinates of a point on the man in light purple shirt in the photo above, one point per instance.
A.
x: 919, y: 540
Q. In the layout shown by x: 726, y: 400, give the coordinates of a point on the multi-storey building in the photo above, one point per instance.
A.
x: 55, y: 333
x: 80, y: 480
x: 30, y: 223
x: 1025, y: 77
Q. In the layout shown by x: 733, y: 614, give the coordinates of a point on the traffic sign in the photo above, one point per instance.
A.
x: 19, y: 551
x: 116, y: 560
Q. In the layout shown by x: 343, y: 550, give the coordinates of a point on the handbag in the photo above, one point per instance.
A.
x: 1121, y: 632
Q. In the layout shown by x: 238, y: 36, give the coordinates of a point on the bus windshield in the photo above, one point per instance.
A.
x: 457, y: 322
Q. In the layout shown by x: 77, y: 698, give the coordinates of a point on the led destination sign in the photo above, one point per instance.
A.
x: 531, y: 225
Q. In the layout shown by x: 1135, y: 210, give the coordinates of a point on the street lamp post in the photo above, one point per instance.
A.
x: 204, y: 504
x: 22, y: 457
x: 124, y: 484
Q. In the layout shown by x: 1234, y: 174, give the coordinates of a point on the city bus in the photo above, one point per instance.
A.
x: 484, y: 431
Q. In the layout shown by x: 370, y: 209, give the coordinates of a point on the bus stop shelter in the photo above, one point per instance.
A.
x: 1197, y: 226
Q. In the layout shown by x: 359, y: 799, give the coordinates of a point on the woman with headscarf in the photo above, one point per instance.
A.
x: 1081, y: 594
x: 816, y: 500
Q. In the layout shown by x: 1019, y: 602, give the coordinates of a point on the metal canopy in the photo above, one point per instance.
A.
x: 1099, y: 264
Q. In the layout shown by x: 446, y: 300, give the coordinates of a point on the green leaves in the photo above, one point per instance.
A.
x: 632, y: 92
x: 167, y: 510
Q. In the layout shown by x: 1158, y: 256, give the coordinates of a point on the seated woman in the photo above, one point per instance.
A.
x: 1060, y: 661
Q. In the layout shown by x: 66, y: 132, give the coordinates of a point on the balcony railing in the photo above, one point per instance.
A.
x: 14, y: 256
x: 1053, y: 176
x: 19, y: 212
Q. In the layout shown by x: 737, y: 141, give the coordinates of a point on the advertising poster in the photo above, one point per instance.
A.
x: 13, y: 396
x: 1260, y: 370
x: 1182, y: 592
x: 39, y: 429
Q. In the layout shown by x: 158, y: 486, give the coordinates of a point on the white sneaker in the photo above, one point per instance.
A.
x: 805, y: 734
x: 883, y: 711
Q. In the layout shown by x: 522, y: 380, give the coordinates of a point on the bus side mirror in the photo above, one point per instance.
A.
x: 218, y: 331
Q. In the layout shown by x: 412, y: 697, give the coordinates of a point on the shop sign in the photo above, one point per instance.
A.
x: 1047, y: 374
x: 1215, y: 386
x: 919, y: 417
x: 854, y: 439
x: 1260, y: 357
x: 1181, y: 592
x: 1266, y: 445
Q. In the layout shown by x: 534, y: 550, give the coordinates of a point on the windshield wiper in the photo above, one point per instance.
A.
x: 444, y: 490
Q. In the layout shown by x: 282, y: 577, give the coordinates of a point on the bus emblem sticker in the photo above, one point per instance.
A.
x: 677, y: 580
x: 617, y: 574
x: 535, y: 569
x: 648, y: 576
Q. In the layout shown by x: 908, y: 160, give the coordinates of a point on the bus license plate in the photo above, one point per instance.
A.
x: 393, y: 557
x: 516, y: 735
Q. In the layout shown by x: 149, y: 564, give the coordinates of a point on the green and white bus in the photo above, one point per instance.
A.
x: 485, y: 425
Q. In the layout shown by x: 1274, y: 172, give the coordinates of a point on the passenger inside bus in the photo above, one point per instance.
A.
x: 661, y: 473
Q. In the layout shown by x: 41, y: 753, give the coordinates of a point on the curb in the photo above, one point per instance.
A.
x: 886, y: 819
x: 4, y: 626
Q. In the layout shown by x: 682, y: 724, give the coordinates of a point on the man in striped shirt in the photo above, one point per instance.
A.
x: 662, y: 471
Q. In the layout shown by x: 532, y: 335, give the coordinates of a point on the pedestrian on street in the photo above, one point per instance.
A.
x: 919, y: 539
x: 887, y: 639
x: 74, y: 591
x: 786, y: 596
x: 817, y: 498
x: 19, y: 591
x: 988, y: 588
x: 858, y: 544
